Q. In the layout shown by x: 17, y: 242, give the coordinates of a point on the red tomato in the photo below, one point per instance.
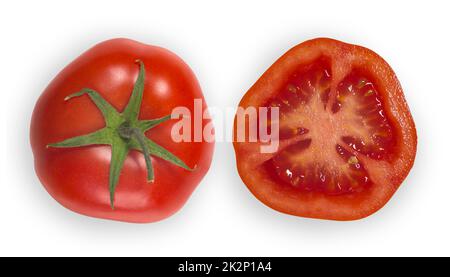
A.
x: 81, y: 176
x: 347, y: 139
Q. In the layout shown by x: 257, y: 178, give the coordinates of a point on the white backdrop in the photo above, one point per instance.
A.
x: 228, y: 44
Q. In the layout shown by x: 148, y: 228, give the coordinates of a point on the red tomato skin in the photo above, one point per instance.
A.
x: 344, y: 57
x: 78, y: 177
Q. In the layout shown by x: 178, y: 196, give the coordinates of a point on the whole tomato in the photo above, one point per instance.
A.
x: 101, y: 133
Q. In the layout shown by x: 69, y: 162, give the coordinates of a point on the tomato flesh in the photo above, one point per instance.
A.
x: 331, y: 126
x: 347, y: 139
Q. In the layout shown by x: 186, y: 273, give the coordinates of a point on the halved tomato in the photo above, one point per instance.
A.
x: 347, y: 139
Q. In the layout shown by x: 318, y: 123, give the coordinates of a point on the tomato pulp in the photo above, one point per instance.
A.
x: 347, y: 139
x: 101, y: 134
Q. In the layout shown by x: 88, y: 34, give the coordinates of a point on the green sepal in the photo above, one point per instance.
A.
x: 131, y: 111
x: 146, y: 125
x: 159, y: 151
x: 110, y: 114
x: 102, y: 136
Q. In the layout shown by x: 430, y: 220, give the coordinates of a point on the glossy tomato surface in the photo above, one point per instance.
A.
x: 78, y: 177
x: 347, y: 139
